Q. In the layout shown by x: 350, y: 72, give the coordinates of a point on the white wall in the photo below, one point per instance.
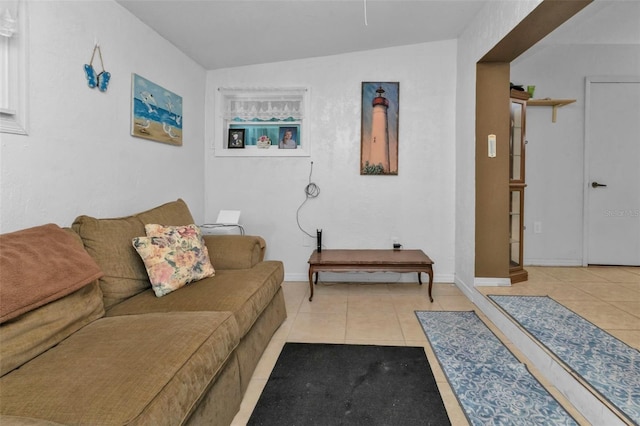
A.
x: 79, y: 157
x: 354, y: 211
x: 555, y: 151
x: 477, y: 39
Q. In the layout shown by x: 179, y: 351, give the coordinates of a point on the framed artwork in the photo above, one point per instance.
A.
x: 379, y: 128
x: 288, y: 138
x: 236, y: 138
x: 156, y: 113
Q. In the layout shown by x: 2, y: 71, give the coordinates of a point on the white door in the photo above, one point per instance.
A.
x: 612, y: 171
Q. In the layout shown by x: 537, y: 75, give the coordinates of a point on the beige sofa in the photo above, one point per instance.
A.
x: 112, y: 353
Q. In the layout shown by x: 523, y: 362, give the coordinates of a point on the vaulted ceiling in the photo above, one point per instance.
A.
x: 229, y: 33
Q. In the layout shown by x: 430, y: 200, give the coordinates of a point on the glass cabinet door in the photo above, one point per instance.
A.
x: 516, y: 142
x: 516, y: 202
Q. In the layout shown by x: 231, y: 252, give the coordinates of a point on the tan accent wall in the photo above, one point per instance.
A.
x: 492, y: 174
x: 492, y: 117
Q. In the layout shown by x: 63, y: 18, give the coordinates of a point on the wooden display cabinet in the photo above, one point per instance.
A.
x: 517, y: 143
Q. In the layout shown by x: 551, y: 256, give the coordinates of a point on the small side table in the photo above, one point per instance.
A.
x: 220, y: 228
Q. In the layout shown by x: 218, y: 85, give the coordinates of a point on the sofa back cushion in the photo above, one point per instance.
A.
x: 39, y: 265
x: 32, y: 333
x: 108, y: 241
x: 49, y: 290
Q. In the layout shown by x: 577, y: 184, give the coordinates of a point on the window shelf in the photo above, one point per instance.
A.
x: 554, y: 103
x: 260, y: 112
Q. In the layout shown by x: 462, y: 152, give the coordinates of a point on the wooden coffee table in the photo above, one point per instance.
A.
x: 370, y: 261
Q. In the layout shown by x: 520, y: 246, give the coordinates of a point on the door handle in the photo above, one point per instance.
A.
x: 596, y: 184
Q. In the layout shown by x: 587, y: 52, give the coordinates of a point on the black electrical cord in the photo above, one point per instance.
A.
x: 310, y: 191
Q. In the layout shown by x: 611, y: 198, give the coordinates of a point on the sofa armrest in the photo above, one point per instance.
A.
x: 235, y: 251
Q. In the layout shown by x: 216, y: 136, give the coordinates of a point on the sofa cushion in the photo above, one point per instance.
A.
x: 244, y: 292
x: 138, y: 369
x: 173, y: 256
x: 108, y: 241
x: 27, y: 336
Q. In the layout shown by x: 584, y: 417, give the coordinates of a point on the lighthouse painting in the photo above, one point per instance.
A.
x: 379, y: 133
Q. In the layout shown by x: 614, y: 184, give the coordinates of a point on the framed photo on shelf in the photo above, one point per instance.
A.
x: 288, y: 138
x: 236, y: 138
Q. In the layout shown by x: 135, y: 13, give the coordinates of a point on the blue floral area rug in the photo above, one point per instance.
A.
x: 608, y: 365
x: 491, y: 384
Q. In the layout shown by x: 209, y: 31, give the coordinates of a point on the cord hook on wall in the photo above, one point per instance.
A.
x: 311, y: 191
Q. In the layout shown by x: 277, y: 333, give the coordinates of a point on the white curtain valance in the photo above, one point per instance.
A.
x: 8, y: 19
x: 264, y: 110
x: 263, y: 104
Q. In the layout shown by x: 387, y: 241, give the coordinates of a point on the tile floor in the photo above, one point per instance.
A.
x: 383, y: 314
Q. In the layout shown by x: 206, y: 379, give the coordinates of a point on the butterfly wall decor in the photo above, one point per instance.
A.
x: 100, y: 80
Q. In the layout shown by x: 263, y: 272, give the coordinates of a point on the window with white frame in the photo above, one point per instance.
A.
x: 13, y: 67
x: 271, y: 122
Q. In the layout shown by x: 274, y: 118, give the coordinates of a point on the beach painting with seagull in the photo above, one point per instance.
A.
x: 156, y: 113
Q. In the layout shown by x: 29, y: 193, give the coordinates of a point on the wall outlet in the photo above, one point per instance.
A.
x: 537, y: 227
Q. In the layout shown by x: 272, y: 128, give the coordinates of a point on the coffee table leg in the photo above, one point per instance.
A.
x: 430, y: 272
x: 311, y: 283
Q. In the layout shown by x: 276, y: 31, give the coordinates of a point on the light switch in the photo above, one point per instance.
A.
x: 492, y: 146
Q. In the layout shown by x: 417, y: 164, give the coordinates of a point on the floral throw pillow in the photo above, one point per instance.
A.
x: 173, y: 256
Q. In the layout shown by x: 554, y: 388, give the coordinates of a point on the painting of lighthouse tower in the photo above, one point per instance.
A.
x: 379, y: 133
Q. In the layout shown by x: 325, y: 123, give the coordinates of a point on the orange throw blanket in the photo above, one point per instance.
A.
x: 39, y: 265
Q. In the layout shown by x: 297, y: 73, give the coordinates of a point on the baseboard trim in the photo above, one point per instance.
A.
x: 552, y: 262
x: 491, y: 282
